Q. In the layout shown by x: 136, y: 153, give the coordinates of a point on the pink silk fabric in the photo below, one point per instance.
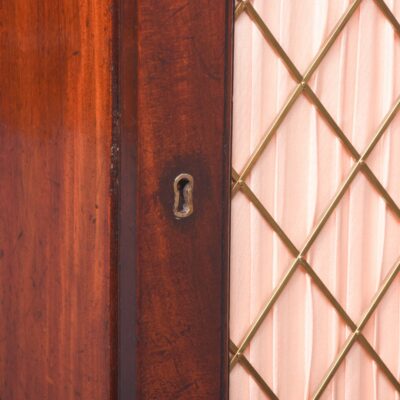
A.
x: 295, y: 179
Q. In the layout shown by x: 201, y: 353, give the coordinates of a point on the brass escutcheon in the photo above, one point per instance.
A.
x: 183, y: 200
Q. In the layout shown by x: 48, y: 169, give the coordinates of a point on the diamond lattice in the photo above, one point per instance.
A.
x: 303, y: 87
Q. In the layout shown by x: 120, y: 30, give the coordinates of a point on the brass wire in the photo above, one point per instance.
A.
x: 253, y: 372
x: 360, y: 165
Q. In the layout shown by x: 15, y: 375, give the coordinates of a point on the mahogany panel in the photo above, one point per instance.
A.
x: 182, y: 106
x: 57, y: 317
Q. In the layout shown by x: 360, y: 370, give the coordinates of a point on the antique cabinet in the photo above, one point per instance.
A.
x: 199, y: 199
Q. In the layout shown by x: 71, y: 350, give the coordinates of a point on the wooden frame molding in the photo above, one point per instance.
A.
x: 175, y: 79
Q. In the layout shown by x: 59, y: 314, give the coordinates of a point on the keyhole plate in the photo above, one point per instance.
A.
x: 183, y: 200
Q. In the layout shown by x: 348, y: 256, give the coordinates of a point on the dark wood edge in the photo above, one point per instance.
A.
x: 227, y: 191
x: 125, y: 168
x: 129, y: 17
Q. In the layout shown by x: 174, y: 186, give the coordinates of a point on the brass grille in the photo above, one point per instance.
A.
x: 360, y: 166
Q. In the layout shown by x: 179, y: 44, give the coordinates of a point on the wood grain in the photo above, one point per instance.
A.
x: 183, y: 110
x: 56, y: 281
x: 102, y: 104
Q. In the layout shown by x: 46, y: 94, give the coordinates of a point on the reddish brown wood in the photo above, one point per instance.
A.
x: 102, y: 104
x: 56, y: 272
x: 182, y: 109
x: 127, y: 127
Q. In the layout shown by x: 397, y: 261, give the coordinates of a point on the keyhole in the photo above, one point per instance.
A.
x: 183, y: 189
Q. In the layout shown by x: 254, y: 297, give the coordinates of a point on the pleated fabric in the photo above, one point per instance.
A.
x: 296, y: 178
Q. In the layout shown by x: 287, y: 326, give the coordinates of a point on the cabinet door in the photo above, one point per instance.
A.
x: 120, y: 182
x: 175, y: 187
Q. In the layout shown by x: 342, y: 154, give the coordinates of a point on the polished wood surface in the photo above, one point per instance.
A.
x: 182, y: 125
x: 102, y: 104
x: 57, y: 317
